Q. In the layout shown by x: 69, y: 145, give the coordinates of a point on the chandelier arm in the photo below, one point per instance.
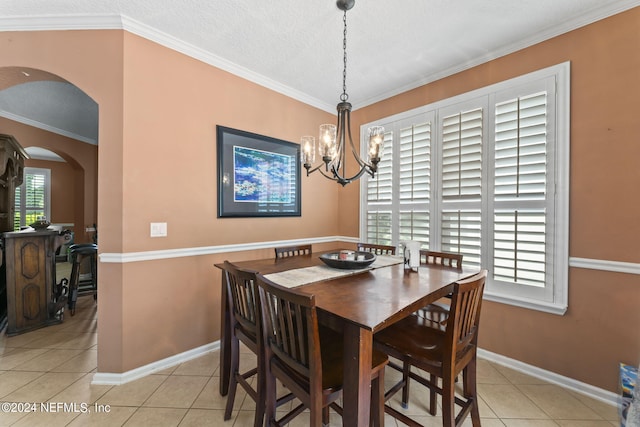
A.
x: 317, y: 168
x: 342, y: 180
x: 331, y: 176
x: 361, y: 162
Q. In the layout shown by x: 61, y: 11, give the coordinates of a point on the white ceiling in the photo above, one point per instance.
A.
x: 295, y: 46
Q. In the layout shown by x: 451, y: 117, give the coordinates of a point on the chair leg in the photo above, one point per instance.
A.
x: 270, y: 395
x: 325, y: 416
x: 406, y: 368
x: 433, y: 399
x: 448, y: 402
x: 377, y: 400
x: 316, y: 414
x: 470, y: 391
x: 73, y: 283
x: 261, y: 392
x: 233, y: 379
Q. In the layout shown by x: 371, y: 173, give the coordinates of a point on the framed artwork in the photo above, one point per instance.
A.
x: 258, y: 176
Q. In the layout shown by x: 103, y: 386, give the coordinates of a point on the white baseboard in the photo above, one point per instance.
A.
x: 105, y: 378
x: 566, y: 382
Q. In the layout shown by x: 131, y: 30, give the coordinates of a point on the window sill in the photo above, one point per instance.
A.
x: 553, y: 308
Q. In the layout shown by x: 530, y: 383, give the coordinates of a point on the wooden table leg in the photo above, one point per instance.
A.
x: 225, y: 343
x: 358, y: 346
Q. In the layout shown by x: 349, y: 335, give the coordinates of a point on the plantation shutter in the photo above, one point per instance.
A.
x: 35, y: 197
x: 462, y: 156
x: 17, y: 212
x: 32, y: 197
x: 485, y: 174
x: 379, y: 195
x: 415, y: 182
x: 379, y: 227
x: 379, y: 189
x: 520, y: 190
x: 461, y: 215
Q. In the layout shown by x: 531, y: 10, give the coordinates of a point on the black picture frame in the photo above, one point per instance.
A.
x: 258, y: 176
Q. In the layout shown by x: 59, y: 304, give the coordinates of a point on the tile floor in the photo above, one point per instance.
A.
x: 54, y: 366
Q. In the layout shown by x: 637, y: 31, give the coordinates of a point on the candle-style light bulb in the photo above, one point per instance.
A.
x: 376, y: 143
x: 327, y: 145
x: 308, y: 150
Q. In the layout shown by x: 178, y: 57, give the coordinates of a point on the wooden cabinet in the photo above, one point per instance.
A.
x: 30, y: 276
x: 12, y: 157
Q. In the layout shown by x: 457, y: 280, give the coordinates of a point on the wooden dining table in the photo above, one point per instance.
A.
x: 359, y: 305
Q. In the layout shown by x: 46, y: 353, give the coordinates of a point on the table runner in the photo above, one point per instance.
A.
x: 318, y: 273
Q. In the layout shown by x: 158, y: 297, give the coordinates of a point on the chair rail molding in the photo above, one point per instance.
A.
x: 606, y: 265
x: 209, y: 250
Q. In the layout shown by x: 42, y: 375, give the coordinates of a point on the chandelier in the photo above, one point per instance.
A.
x: 333, y: 139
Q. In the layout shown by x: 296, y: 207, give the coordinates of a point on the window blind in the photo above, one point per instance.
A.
x: 462, y: 156
x: 485, y: 174
x: 380, y: 188
x: 415, y: 163
x: 379, y: 227
x: 414, y: 225
x: 520, y: 190
x: 461, y: 232
x: 32, y: 197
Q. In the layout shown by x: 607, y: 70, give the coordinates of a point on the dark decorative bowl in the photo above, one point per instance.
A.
x: 332, y: 259
x: 40, y: 224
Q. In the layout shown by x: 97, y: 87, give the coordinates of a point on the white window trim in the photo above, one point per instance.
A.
x: 561, y: 73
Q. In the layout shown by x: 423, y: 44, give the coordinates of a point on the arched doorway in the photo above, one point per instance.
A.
x: 58, y: 123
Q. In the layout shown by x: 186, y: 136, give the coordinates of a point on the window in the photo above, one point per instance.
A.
x: 484, y: 174
x: 32, y: 199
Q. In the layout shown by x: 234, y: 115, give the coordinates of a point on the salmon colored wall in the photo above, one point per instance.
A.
x: 600, y: 328
x: 63, y: 194
x: 157, y: 163
x: 74, y: 183
x: 93, y: 61
x: 173, y: 104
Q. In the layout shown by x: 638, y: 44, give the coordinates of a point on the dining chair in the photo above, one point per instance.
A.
x: 442, y: 351
x: 243, y: 302
x: 439, y: 310
x: 287, y: 251
x: 307, y: 357
x: 377, y: 249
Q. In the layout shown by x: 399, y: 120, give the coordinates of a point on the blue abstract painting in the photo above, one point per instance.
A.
x: 262, y: 176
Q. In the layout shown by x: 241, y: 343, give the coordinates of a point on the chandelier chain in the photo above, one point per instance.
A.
x: 344, y: 95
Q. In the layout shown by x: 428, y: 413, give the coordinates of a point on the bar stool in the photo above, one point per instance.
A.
x: 79, y: 252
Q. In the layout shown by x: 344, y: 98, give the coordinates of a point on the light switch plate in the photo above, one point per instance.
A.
x: 158, y: 229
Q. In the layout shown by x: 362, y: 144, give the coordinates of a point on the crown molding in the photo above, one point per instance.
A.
x: 123, y: 22
x: 61, y: 22
x: 46, y: 127
x: 603, y: 12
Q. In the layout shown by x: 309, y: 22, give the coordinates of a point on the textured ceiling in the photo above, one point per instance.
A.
x: 295, y: 46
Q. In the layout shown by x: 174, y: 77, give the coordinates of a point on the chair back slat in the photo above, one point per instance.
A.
x: 447, y: 259
x: 291, y: 328
x: 462, y: 325
x: 377, y: 249
x: 287, y: 251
